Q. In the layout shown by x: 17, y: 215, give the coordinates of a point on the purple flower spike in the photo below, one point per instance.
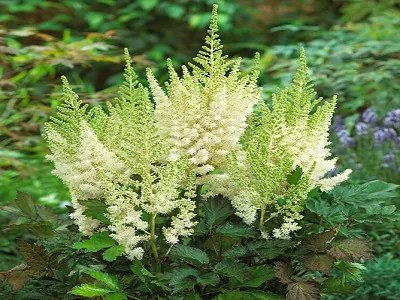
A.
x: 344, y: 138
x: 338, y: 124
x: 369, y: 116
x: 361, y: 128
x: 383, y: 134
x: 392, y: 119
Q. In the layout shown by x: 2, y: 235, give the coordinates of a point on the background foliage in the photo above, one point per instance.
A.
x: 352, y: 46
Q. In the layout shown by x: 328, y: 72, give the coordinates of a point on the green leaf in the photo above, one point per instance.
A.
x: 302, y: 291
x: 208, y: 279
x: 352, y: 272
x: 336, y: 285
x: 235, y: 230
x: 148, y: 4
x: 269, y: 249
x: 96, y: 209
x: 373, y: 190
x: 259, y: 275
x: 295, y: 176
x: 249, y: 295
x: 111, y: 281
x: 321, y: 241
x: 116, y: 296
x: 182, y: 279
x: 236, y: 252
x: 144, y: 275
x: 218, y: 210
x: 90, y: 290
x: 352, y: 249
x: 26, y: 204
x: 98, y: 241
x: 113, y: 252
x: 233, y: 269
x: 191, y: 255
x: 284, y: 272
x: 319, y: 262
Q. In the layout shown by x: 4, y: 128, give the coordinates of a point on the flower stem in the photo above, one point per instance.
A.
x: 153, y: 241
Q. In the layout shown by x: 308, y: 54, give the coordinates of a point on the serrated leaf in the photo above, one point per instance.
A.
x: 284, y: 272
x: 269, y: 249
x: 249, y: 295
x: 34, y: 255
x: 373, y: 190
x: 42, y: 230
x: 144, y: 275
x: 236, y: 252
x: 208, y: 279
x: 336, y: 285
x: 96, y: 209
x: 26, y: 204
x: 352, y: 272
x: 182, y: 279
x: 352, y: 249
x: 218, y: 210
x: 302, y: 291
x: 116, y: 296
x: 319, y: 262
x: 258, y: 275
x: 233, y: 269
x: 90, y: 290
x: 113, y: 252
x: 320, y: 242
x: 191, y: 255
x: 111, y: 281
x: 294, y: 177
x: 17, y: 277
x: 235, y: 230
x: 98, y: 241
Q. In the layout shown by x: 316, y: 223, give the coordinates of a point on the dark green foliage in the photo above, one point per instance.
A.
x: 226, y: 260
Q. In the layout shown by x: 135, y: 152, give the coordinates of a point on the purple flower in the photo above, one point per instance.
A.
x: 344, y: 138
x: 333, y: 172
x: 369, y: 116
x: 338, y: 124
x: 392, y: 119
x: 388, y: 157
x: 382, y: 134
x: 361, y: 128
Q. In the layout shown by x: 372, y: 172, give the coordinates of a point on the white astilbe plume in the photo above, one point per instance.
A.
x: 78, y: 156
x: 203, y: 113
x: 182, y: 224
x: 287, y: 155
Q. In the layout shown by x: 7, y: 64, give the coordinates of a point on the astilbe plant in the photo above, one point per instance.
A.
x: 209, y: 193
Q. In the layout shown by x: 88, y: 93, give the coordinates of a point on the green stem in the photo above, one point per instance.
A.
x: 153, y: 241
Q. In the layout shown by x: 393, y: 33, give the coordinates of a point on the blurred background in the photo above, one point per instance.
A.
x: 352, y: 46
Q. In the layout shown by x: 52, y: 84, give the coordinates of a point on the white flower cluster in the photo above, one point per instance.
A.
x: 82, y: 174
x: 203, y: 114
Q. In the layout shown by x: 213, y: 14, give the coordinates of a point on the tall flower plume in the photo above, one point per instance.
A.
x: 203, y: 113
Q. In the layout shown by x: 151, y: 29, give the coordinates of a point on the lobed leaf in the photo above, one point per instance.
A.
x: 284, y: 272
x: 113, y: 252
x: 90, y: 290
x: 190, y: 255
x: 97, y: 241
x: 352, y: 249
x: 111, y: 281
x: 302, y: 291
x: 319, y: 262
